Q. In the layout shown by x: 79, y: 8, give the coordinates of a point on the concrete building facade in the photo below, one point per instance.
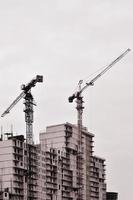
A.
x: 59, y: 144
x: 18, y: 169
x: 97, y: 178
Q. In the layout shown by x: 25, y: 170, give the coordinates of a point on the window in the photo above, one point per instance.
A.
x: 21, y: 144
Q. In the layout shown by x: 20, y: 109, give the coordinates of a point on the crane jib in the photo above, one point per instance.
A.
x: 91, y: 83
x: 25, y: 89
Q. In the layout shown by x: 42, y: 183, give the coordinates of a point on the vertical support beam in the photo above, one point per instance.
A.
x: 29, y: 117
x: 29, y: 134
x: 79, y: 157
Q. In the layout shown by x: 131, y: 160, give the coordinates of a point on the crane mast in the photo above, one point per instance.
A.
x: 79, y: 101
x: 29, y: 103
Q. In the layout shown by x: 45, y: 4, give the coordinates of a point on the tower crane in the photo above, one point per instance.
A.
x: 79, y: 100
x: 29, y: 102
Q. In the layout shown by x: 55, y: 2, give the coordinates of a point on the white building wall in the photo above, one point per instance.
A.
x: 52, y: 139
x: 6, y: 164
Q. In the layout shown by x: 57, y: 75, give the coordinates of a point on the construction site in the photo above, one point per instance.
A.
x: 62, y: 166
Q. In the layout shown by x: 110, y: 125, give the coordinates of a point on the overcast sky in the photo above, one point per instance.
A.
x: 66, y: 41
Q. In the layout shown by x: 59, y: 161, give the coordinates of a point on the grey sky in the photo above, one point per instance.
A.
x: 66, y: 41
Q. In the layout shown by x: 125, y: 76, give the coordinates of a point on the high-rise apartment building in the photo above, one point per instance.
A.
x: 18, y: 169
x: 53, y: 169
x: 63, y: 171
x: 97, y: 178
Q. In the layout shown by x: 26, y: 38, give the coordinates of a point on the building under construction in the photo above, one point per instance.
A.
x: 50, y: 170
x: 59, y: 166
x: 18, y: 156
x: 18, y: 169
x: 62, y: 166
